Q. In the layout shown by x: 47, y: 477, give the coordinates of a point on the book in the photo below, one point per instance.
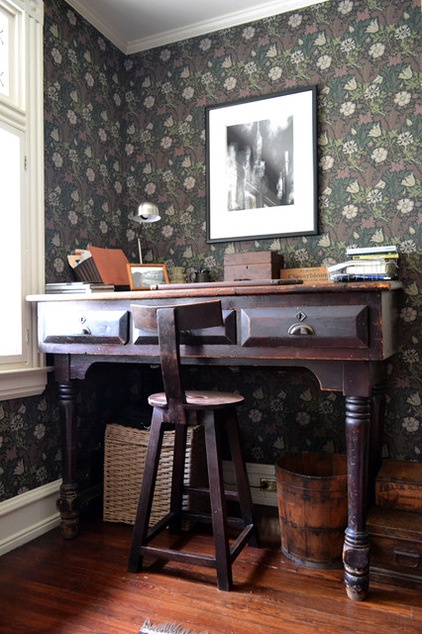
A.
x: 111, y: 265
x: 78, y: 287
x: 310, y: 275
x: 371, y: 268
x: 379, y: 251
x: 375, y: 256
x: 353, y: 277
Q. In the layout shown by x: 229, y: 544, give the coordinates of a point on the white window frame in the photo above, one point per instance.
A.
x: 22, y: 109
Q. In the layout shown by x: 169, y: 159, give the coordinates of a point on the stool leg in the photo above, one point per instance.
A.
x: 178, y: 476
x: 140, y: 530
x: 218, y: 503
x: 242, y: 480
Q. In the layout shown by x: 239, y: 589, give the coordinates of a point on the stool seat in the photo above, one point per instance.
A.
x: 199, y: 400
x: 177, y: 408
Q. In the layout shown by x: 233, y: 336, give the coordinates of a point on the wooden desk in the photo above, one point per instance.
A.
x: 341, y: 332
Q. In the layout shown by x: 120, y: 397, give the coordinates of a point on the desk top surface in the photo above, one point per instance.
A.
x: 213, y: 289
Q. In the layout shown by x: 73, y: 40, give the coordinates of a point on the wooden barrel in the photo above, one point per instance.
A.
x: 312, y: 504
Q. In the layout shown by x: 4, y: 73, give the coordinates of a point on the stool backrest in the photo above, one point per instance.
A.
x: 169, y: 322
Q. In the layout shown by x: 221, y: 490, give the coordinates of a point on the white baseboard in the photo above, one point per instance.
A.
x: 27, y: 516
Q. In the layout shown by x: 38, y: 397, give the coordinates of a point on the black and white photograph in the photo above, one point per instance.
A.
x: 261, y: 168
x: 259, y: 164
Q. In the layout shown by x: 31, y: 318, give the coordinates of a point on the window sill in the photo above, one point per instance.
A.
x: 22, y: 383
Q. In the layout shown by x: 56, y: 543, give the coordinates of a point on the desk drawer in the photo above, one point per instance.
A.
x: 225, y: 334
x: 315, y: 326
x: 78, y: 326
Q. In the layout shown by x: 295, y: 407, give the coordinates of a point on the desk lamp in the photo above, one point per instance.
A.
x: 147, y: 212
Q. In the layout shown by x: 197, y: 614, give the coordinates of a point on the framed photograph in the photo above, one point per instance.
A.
x: 143, y: 276
x: 262, y: 167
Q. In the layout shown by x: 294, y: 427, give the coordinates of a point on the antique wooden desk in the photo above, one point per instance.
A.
x: 342, y: 333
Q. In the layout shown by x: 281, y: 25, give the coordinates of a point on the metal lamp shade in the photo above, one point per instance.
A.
x: 147, y: 212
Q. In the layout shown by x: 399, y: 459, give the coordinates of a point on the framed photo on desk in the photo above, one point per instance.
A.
x: 143, y: 276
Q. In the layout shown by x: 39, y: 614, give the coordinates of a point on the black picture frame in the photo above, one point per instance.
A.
x: 262, y: 167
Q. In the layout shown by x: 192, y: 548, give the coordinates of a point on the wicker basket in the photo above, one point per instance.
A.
x: 124, y: 460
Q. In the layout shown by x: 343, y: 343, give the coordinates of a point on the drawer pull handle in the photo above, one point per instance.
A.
x: 301, y: 329
x: 86, y: 331
x: 406, y: 558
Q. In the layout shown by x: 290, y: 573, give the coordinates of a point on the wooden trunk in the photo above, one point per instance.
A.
x: 396, y: 546
x: 399, y: 486
x: 261, y: 265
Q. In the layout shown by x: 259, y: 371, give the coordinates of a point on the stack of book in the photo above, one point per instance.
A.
x: 366, y: 263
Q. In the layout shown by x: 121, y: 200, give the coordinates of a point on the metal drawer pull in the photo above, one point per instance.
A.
x: 85, y: 329
x: 301, y: 329
x: 408, y: 558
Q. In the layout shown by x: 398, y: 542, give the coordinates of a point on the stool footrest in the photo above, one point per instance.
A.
x: 241, y: 541
x: 161, y: 525
x: 169, y: 554
x: 199, y: 518
x: 229, y: 495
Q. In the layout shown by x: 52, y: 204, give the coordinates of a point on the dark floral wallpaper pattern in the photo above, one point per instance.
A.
x: 122, y: 129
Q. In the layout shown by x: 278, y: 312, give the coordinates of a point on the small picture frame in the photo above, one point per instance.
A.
x: 144, y: 276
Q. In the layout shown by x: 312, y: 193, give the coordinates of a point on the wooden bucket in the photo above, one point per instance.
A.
x: 312, y: 504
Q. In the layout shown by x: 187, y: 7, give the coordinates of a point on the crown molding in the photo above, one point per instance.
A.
x: 226, y: 21
x: 102, y: 25
x: 268, y: 9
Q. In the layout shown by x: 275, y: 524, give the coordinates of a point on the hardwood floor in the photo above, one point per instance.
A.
x: 82, y: 586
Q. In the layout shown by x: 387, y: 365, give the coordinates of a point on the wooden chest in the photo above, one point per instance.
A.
x: 396, y: 546
x: 261, y: 265
x: 399, y: 486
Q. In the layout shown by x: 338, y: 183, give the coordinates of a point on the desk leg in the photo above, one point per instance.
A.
x: 356, y: 543
x: 68, y: 502
x: 375, y: 443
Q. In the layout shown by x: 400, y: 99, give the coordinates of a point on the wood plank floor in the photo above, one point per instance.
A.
x: 82, y: 586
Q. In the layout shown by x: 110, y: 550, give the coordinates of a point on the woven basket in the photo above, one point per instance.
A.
x: 124, y: 460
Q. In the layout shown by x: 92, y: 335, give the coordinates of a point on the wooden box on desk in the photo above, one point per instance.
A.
x: 396, y: 546
x: 260, y: 265
x: 399, y: 486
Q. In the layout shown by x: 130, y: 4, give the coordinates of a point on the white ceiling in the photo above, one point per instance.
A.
x: 138, y: 25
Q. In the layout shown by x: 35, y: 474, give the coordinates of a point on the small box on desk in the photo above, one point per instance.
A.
x: 399, y: 486
x: 260, y: 265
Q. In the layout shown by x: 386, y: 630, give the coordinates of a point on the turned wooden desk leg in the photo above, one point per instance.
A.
x: 68, y: 503
x: 375, y: 443
x: 356, y: 542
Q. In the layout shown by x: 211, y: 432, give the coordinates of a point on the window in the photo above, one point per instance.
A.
x: 22, y: 369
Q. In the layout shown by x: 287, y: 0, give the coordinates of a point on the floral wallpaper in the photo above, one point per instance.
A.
x: 122, y: 129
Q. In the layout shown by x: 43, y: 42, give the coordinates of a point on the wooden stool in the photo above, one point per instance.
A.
x: 176, y: 409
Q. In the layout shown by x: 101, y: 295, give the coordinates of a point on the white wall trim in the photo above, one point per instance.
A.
x: 27, y: 516
x: 255, y: 473
x: 101, y: 17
